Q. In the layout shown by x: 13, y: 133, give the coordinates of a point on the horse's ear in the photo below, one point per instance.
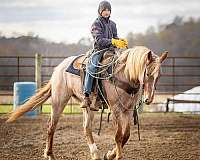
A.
x: 163, y: 56
x: 149, y: 57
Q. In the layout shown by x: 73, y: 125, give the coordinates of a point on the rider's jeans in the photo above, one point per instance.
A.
x: 88, y: 78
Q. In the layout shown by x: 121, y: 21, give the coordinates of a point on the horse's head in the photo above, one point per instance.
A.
x: 143, y: 66
x: 152, y: 75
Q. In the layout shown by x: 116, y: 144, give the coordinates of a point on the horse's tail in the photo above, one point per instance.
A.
x: 35, y: 101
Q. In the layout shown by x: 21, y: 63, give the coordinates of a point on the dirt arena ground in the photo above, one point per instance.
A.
x: 163, y: 136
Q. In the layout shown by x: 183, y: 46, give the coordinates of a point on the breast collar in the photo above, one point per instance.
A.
x: 126, y: 86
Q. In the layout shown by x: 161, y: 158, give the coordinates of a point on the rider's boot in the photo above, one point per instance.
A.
x: 86, y: 102
x: 96, y: 103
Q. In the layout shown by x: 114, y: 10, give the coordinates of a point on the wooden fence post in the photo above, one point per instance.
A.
x: 167, y: 105
x: 38, y: 74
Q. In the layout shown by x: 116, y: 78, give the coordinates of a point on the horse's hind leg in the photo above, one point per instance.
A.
x: 57, y: 109
x: 87, y: 127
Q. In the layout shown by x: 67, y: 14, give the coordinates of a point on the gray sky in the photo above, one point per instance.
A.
x: 69, y: 20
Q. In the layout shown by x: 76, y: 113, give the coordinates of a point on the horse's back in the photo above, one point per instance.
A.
x: 65, y: 63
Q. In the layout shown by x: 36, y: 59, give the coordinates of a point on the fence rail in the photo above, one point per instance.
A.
x: 172, y: 66
x: 178, y: 73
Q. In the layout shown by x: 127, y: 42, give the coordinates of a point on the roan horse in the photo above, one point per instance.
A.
x: 134, y: 66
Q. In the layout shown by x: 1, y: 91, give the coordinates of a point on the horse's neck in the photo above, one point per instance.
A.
x: 119, y: 75
x: 119, y: 70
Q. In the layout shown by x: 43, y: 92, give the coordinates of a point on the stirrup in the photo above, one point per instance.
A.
x: 86, y: 102
x: 94, y: 109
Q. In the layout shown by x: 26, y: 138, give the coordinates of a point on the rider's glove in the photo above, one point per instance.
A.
x: 120, y: 43
x: 125, y: 41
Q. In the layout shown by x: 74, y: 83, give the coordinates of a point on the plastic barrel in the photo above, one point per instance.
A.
x: 22, y: 91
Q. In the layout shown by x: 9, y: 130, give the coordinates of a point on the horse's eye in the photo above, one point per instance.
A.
x: 147, y: 75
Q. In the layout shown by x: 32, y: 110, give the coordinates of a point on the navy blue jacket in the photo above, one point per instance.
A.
x: 103, y: 30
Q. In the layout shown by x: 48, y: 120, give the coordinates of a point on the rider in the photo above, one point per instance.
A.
x: 104, y: 33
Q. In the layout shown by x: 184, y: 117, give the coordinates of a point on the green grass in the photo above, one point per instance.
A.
x: 68, y: 109
x: 6, y: 108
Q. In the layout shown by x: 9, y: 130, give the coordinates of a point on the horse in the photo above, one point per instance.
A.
x: 134, y: 66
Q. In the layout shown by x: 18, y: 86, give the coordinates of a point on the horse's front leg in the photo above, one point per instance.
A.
x: 118, y: 140
x: 126, y: 134
x: 87, y: 127
x: 121, y: 137
x: 117, y: 151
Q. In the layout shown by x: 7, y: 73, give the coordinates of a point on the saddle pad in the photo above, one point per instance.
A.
x: 76, y: 64
x: 74, y: 69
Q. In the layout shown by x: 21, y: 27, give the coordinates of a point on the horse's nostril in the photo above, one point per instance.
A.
x: 147, y: 102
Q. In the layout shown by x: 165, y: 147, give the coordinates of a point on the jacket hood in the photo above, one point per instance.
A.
x: 103, y: 5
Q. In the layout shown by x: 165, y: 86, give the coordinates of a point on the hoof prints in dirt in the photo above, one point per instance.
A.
x: 167, y: 137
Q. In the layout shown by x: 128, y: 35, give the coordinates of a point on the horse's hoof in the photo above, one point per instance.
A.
x: 119, y: 158
x: 105, y: 157
x: 52, y: 157
x: 109, y: 156
x: 49, y: 156
x: 45, y: 154
x: 95, y: 156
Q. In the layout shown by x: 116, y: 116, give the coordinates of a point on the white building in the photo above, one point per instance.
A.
x: 189, y: 95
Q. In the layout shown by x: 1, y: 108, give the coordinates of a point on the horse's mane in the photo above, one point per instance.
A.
x: 135, y: 60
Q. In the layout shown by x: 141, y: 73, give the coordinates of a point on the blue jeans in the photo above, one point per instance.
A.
x: 88, y: 78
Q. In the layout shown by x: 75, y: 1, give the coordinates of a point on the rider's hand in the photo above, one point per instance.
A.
x: 120, y: 43
x: 125, y: 41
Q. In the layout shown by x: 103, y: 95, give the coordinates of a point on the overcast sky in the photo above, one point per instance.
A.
x: 69, y: 20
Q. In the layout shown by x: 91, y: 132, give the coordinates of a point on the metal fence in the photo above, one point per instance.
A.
x: 178, y: 73
x: 21, y: 68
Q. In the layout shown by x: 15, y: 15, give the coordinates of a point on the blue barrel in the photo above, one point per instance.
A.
x: 22, y: 91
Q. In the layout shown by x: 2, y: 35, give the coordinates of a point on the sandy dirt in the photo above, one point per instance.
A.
x: 163, y: 136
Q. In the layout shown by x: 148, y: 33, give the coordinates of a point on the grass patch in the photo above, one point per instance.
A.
x: 46, y: 108
x: 6, y: 108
